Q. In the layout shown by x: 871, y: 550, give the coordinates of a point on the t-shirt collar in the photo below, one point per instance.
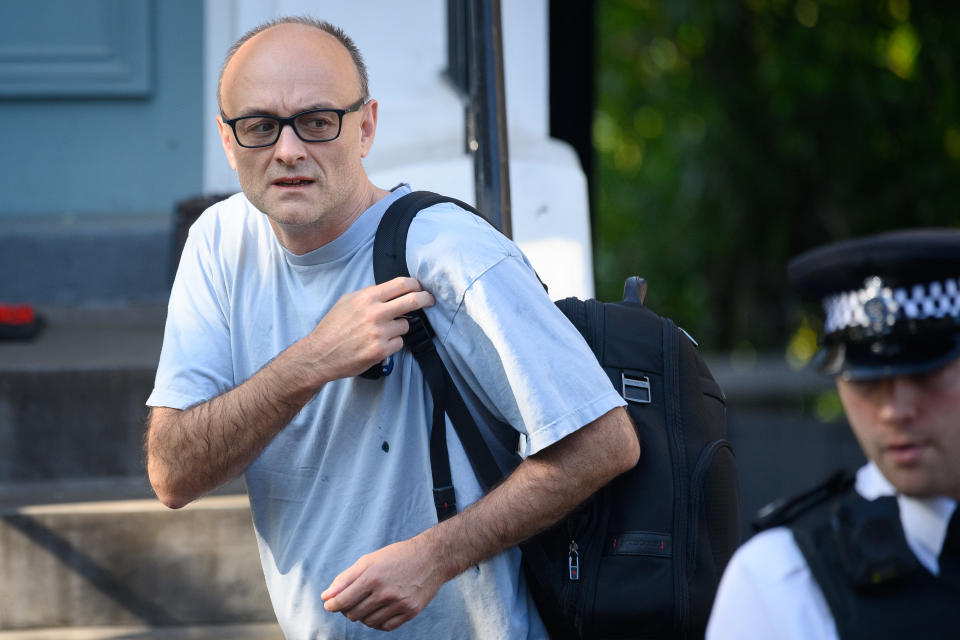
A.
x: 346, y: 243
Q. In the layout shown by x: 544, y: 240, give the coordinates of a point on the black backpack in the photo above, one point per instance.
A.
x: 641, y: 558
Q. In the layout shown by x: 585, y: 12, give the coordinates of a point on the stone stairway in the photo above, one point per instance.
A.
x: 85, y: 550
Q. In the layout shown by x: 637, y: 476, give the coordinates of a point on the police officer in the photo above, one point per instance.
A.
x: 875, y: 555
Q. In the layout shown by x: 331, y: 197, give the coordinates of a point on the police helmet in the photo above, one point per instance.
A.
x: 892, y: 302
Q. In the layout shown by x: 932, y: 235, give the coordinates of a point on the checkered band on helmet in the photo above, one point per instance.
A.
x: 919, y: 302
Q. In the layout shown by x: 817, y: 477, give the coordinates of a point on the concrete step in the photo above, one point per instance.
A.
x: 72, y: 399
x: 69, y: 259
x: 251, y: 631
x: 129, y: 562
x: 85, y: 548
x: 15, y: 495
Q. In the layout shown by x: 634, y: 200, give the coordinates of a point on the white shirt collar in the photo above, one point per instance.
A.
x: 924, y: 521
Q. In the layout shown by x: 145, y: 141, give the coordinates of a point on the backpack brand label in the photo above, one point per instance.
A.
x: 640, y: 543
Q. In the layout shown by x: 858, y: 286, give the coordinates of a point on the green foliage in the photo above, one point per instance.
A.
x: 731, y: 136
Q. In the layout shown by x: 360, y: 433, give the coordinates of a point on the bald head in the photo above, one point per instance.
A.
x: 285, y: 23
x: 311, y: 190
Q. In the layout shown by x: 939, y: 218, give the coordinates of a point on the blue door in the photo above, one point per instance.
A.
x: 101, y: 112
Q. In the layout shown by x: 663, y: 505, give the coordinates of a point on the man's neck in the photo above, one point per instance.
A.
x: 301, y: 239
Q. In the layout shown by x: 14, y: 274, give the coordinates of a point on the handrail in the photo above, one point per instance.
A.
x: 476, y: 70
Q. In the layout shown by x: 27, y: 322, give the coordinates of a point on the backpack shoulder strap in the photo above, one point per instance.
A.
x: 390, y: 244
x: 390, y: 261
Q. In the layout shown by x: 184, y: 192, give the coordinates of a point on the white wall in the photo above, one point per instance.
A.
x: 421, y: 119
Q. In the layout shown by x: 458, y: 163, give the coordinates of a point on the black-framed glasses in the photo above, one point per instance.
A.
x: 314, y: 125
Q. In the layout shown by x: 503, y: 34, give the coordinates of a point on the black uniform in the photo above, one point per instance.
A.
x: 858, y: 554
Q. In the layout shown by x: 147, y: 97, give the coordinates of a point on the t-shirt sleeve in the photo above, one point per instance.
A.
x: 503, y: 335
x: 195, y: 361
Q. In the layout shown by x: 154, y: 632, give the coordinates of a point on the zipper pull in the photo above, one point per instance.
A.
x: 573, y: 561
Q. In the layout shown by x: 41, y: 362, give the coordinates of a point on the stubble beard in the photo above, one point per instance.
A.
x: 290, y: 209
x: 305, y: 212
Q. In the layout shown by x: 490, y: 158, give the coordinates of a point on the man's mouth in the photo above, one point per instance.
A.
x: 905, y: 453
x: 292, y: 182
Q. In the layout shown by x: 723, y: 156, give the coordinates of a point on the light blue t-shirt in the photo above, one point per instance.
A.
x: 351, y: 474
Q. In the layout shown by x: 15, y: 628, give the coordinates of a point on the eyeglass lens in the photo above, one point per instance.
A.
x: 313, y: 126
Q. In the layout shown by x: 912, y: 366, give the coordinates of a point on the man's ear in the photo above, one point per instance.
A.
x: 368, y: 127
x: 226, y: 139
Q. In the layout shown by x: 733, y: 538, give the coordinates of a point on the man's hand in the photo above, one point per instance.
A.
x: 364, y: 327
x: 386, y: 588
x: 196, y: 450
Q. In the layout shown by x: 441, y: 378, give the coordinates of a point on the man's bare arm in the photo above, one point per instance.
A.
x: 193, y: 451
x: 386, y: 588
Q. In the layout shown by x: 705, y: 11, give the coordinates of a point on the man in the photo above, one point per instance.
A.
x: 274, y: 314
x: 878, y: 555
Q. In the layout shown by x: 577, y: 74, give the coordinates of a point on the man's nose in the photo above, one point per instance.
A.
x: 900, y: 405
x: 289, y: 148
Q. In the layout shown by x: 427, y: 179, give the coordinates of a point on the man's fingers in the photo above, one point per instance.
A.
x: 397, y: 287
x: 347, y: 600
x: 394, y: 344
x: 395, y: 622
x: 400, y: 296
x: 358, y: 602
x: 344, y: 580
x: 364, y: 608
x: 399, y: 326
x: 409, y: 302
x: 386, y: 618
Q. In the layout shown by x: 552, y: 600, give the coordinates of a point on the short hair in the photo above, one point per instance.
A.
x: 322, y: 25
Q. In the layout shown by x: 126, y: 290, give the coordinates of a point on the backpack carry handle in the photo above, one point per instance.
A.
x: 635, y: 290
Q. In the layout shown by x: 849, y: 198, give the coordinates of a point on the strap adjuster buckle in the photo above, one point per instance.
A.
x: 419, y: 336
x: 445, y: 501
x: 635, y: 388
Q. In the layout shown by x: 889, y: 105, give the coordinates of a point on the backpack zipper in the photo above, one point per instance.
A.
x: 591, y: 547
x: 586, y: 549
x: 573, y: 562
x: 671, y: 386
x: 707, y: 455
x: 573, y: 586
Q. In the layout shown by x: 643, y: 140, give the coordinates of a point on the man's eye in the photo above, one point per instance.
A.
x: 317, y: 122
x: 259, y: 126
x: 866, y: 387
